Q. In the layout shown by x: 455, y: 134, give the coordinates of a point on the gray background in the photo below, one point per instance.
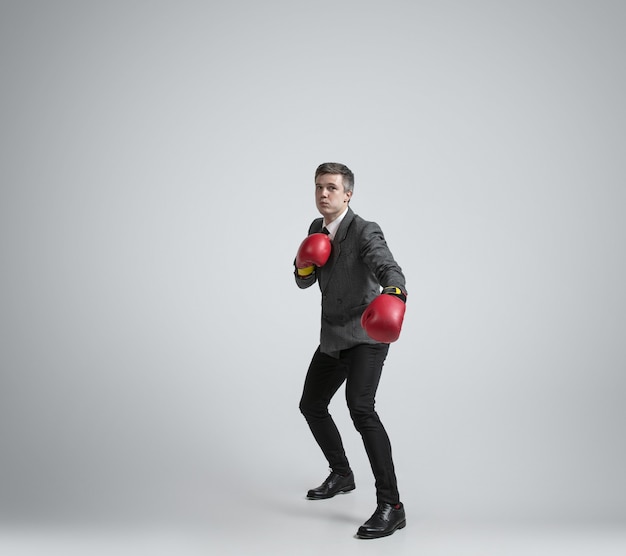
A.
x: 156, y: 170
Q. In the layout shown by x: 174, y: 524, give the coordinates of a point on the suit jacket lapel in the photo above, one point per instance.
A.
x: 340, y: 236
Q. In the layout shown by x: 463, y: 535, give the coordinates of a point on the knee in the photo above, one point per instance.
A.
x: 312, y: 409
x: 304, y: 407
x: 308, y: 408
x: 363, y: 415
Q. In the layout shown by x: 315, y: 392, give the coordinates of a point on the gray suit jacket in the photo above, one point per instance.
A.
x: 359, y: 264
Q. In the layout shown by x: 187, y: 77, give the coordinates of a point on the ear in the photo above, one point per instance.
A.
x: 348, y: 194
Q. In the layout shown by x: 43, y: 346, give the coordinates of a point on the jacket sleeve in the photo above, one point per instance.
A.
x: 379, y: 259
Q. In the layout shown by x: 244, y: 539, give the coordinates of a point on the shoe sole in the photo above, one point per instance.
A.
x: 400, y: 525
x: 342, y: 491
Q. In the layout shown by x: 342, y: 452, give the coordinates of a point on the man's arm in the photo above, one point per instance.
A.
x: 382, y: 320
x: 379, y: 259
x: 303, y: 277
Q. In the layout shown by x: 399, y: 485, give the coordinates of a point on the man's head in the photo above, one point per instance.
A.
x: 334, y: 184
x: 337, y: 168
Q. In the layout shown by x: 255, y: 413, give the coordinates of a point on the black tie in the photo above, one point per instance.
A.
x: 325, y: 231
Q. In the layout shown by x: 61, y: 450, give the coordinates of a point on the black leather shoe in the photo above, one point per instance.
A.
x: 384, y: 522
x: 334, y: 484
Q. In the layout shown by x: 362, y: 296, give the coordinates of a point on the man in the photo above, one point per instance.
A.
x: 349, y: 259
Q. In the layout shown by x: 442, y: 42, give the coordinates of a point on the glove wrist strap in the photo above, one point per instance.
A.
x: 307, y: 271
x: 394, y: 290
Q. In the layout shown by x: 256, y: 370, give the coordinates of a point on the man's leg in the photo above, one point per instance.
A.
x: 365, y: 364
x: 324, y: 377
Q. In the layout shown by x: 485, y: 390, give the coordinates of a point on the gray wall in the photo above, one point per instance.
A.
x: 156, y: 170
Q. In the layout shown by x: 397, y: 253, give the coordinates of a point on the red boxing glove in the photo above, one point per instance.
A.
x: 382, y: 320
x: 314, y: 251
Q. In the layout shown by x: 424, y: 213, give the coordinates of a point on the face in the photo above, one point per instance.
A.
x: 330, y: 197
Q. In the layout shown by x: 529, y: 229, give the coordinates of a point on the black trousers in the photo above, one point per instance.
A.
x: 360, y: 368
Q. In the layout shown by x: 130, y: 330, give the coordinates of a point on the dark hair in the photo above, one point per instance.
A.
x: 337, y: 168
